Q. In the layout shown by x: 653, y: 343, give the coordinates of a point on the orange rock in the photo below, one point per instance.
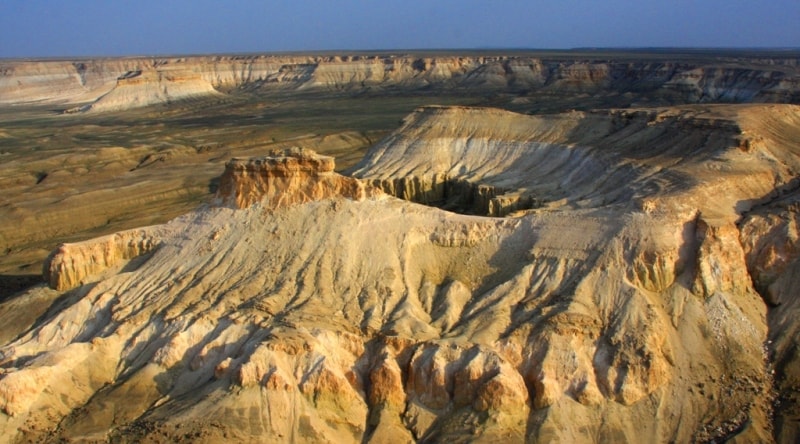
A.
x: 292, y: 177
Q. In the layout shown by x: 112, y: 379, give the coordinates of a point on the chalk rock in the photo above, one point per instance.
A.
x: 291, y: 177
x: 71, y: 265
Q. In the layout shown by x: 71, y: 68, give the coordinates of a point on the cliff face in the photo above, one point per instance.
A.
x: 70, y: 265
x: 138, y: 89
x: 286, y: 178
x: 770, y: 237
x: 310, y: 307
x: 103, y: 80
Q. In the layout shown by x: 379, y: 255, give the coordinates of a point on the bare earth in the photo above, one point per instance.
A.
x: 620, y: 271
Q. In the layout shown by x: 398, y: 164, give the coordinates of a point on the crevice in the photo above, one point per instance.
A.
x: 458, y: 195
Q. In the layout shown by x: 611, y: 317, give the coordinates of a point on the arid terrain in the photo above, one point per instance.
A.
x: 479, y: 247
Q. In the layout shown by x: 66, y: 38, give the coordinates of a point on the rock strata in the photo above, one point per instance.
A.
x: 454, y: 194
x: 114, y: 84
x: 72, y: 265
x: 290, y: 177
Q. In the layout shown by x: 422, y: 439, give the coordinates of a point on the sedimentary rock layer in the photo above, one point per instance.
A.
x: 69, y: 265
x: 285, y: 178
x: 114, y: 84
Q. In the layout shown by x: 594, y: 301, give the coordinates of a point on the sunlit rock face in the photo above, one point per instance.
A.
x: 287, y: 178
x: 68, y: 266
x: 116, y: 84
x: 308, y: 306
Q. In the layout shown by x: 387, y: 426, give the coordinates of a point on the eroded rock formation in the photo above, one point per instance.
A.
x: 113, y: 84
x: 309, y: 308
x: 285, y: 178
x: 70, y: 264
x: 769, y: 236
x: 135, y: 89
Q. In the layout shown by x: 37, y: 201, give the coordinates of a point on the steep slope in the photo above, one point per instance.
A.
x: 668, y: 160
x: 770, y: 239
x: 320, y: 309
x: 136, y: 89
x: 617, y: 77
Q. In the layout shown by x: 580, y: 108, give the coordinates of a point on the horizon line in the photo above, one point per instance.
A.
x: 410, y: 51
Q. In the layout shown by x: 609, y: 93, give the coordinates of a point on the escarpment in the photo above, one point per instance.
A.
x: 312, y: 306
x: 115, y: 84
x: 135, y: 89
x: 492, y: 162
x: 769, y: 236
x: 456, y: 194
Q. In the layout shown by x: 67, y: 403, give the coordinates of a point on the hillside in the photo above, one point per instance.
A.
x: 94, y: 146
x: 623, y: 301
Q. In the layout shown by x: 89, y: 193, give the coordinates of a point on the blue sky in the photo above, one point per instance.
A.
x: 46, y: 28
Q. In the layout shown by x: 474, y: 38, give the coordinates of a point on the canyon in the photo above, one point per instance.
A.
x: 503, y: 267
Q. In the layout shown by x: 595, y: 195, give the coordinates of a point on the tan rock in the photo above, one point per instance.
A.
x: 71, y: 265
x: 720, y: 260
x: 307, y: 307
x: 292, y: 177
x: 386, y: 384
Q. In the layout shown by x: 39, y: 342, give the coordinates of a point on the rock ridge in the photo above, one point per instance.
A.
x: 665, y: 81
x: 72, y: 264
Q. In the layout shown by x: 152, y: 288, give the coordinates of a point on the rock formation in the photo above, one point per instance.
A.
x: 307, y: 306
x: 769, y: 236
x: 135, y: 89
x: 291, y: 177
x: 69, y: 264
x: 114, y: 84
x: 148, y: 136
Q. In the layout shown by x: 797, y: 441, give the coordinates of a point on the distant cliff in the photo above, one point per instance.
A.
x: 95, y: 83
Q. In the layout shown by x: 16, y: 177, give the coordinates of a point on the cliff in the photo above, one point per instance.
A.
x: 71, y: 265
x: 101, y: 84
x: 289, y: 177
x: 663, y: 160
x: 138, y: 89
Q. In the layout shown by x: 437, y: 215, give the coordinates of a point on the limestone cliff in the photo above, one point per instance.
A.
x: 142, y: 88
x: 675, y: 78
x: 70, y: 265
x: 285, y: 178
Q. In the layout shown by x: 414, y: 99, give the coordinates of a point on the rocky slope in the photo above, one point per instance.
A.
x: 769, y: 236
x: 307, y: 306
x: 115, y: 84
x: 136, y: 89
x: 661, y: 160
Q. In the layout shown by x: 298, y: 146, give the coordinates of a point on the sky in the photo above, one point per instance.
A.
x: 63, y: 28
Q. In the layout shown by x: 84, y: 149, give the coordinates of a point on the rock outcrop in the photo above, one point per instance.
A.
x: 70, y: 265
x: 285, y: 178
x: 135, y: 89
x: 769, y: 236
x: 308, y: 307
